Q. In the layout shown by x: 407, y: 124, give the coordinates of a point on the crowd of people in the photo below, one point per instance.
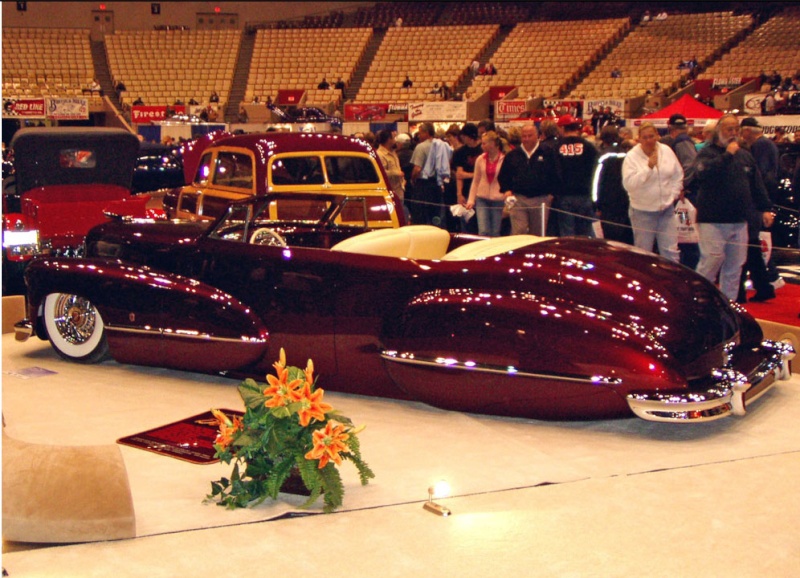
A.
x: 698, y: 199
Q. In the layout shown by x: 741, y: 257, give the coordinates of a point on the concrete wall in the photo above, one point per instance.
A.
x: 137, y: 16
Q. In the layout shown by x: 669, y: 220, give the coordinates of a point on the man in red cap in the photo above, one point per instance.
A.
x: 577, y: 159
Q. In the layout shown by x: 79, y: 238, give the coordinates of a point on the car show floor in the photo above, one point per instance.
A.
x: 603, y: 498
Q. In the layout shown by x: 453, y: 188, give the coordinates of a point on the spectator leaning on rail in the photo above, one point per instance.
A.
x: 727, y: 187
x: 653, y: 178
x: 391, y: 164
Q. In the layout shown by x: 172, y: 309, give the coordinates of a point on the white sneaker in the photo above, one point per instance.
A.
x: 778, y: 283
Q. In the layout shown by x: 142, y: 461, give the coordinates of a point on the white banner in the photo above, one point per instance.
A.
x: 617, y: 106
x: 752, y: 101
x: 788, y: 122
x: 446, y: 110
x: 67, y: 108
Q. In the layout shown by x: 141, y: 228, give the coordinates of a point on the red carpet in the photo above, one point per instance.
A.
x: 785, y: 308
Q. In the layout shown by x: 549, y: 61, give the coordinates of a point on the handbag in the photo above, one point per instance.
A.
x: 686, y: 216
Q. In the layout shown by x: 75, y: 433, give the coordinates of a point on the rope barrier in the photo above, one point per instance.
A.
x: 545, y: 209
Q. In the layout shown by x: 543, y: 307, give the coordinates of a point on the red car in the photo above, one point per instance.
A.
x: 66, y: 181
x: 561, y: 328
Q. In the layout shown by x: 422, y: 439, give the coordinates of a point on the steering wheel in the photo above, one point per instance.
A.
x: 268, y: 237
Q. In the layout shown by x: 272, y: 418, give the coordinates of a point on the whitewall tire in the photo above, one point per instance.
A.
x: 75, y: 328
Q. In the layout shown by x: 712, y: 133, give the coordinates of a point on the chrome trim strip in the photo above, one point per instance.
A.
x: 450, y: 363
x: 160, y: 332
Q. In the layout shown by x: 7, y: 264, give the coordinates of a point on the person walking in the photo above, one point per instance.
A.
x: 653, y: 177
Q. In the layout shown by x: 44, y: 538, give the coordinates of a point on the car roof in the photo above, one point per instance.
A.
x: 271, y: 143
x: 36, y: 156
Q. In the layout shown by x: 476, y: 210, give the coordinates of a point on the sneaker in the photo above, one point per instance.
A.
x: 778, y: 283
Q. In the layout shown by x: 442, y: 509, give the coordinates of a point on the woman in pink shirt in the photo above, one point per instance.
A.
x: 485, y: 194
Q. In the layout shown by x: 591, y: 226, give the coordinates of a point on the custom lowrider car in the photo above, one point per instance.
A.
x: 222, y: 168
x: 65, y: 181
x: 551, y: 328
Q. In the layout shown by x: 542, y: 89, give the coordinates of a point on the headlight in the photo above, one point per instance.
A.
x: 21, y: 243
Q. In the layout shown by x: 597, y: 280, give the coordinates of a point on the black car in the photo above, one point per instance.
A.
x: 157, y: 167
x: 786, y: 230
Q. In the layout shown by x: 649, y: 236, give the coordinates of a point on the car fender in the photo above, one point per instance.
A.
x: 152, y: 317
x: 551, y: 356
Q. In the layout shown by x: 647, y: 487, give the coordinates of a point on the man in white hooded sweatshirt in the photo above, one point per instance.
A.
x: 653, y: 177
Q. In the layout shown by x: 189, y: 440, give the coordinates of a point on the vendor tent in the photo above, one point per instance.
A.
x: 696, y: 112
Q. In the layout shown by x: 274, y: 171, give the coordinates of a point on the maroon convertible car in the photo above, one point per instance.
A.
x: 549, y: 328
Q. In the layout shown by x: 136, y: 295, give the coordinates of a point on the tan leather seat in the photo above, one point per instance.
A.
x: 424, y: 242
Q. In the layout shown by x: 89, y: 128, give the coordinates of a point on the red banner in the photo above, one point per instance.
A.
x: 30, y: 107
x: 142, y: 114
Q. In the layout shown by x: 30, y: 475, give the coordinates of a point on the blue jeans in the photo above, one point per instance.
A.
x: 723, y: 251
x: 577, y: 216
x: 490, y: 216
x: 651, y: 226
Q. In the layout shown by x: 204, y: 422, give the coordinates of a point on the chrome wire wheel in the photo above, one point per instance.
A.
x: 75, y: 328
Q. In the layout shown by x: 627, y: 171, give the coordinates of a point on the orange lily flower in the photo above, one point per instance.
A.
x: 328, y: 442
x: 227, y: 428
x: 311, y: 404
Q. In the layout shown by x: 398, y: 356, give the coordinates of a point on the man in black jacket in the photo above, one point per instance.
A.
x: 577, y: 158
x: 730, y: 192
x: 529, y: 173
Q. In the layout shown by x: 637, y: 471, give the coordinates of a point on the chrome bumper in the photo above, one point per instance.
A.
x: 729, y: 394
x: 23, y: 330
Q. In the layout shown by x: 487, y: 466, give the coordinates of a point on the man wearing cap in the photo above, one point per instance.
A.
x: 681, y: 144
x: 576, y: 158
x: 767, y: 158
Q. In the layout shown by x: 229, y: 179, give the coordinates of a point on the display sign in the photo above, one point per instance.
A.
x: 24, y: 107
x: 67, y: 108
x: 617, y: 105
x: 562, y: 107
x: 455, y: 111
x: 790, y: 123
x: 143, y: 114
x: 510, y: 108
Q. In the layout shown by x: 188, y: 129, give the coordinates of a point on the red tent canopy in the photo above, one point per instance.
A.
x: 695, y: 112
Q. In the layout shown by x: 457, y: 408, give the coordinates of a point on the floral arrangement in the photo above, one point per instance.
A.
x: 287, y: 431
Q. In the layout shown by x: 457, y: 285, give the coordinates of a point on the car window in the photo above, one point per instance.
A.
x: 302, y: 170
x: 233, y: 170
x: 343, y: 170
x: 204, y: 170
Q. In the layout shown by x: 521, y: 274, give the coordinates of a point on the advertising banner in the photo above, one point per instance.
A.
x: 143, y: 114
x: 506, y: 109
x: 446, y: 110
x: 67, y: 108
x: 790, y: 123
x: 573, y: 107
x: 25, y: 108
x: 617, y: 105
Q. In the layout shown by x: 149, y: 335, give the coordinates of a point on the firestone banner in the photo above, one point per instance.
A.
x: 446, y: 110
x: 617, y: 105
x: 146, y: 114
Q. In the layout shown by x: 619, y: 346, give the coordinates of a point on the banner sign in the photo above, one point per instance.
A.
x: 752, y: 102
x: 28, y: 107
x: 375, y: 112
x: 790, y: 123
x: 509, y: 108
x: 562, y: 107
x: 445, y: 110
x: 499, y: 92
x: 141, y: 114
x: 68, y: 108
x: 617, y: 105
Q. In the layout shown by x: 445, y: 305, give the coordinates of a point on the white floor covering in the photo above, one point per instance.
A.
x: 625, y: 497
